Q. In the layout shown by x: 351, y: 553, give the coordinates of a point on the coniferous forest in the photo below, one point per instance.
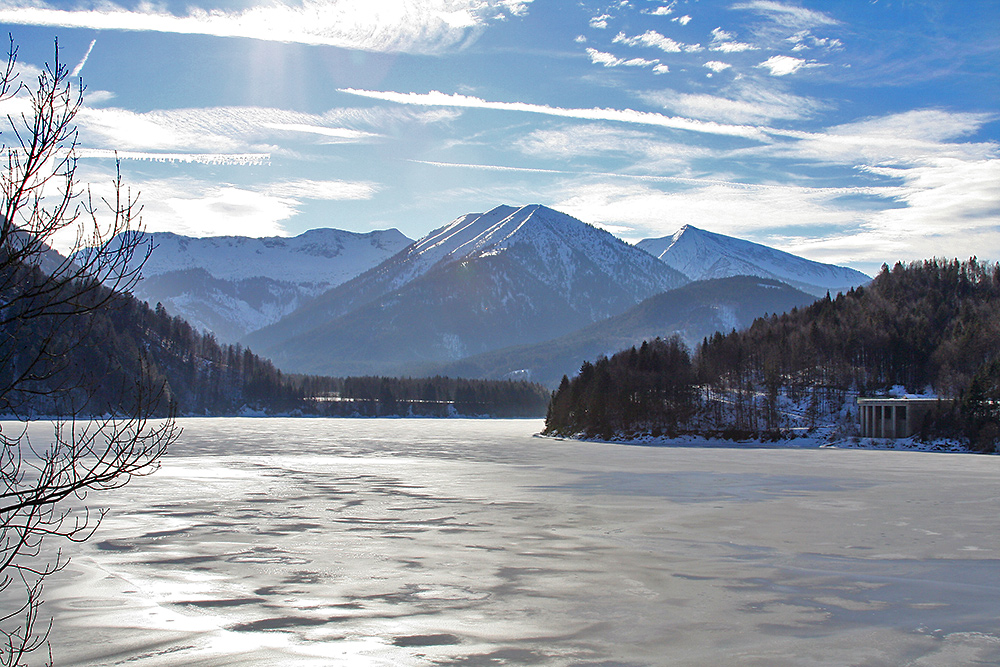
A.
x: 124, y: 350
x: 931, y: 325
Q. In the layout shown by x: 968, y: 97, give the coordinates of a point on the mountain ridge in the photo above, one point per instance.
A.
x: 692, y: 311
x: 701, y: 255
x: 231, y: 285
x: 551, y: 273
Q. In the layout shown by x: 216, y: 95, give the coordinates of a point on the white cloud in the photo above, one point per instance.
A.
x: 600, y: 22
x: 745, y: 104
x: 243, y: 159
x: 652, y: 153
x: 662, y: 10
x: 197, y: 207
x: 945, y: 208
x: 653, y: 39
x: 683, y: 20
x: 939, y: 196
x: 733, y: 47
x: 661, y: 69
x: 83, y: 61
x: 931, y: 125
x: 789, y: 16
x: 580, y: 39
x: 215, y: 134
x: 437, y: 98
x: 322, y: 190
x: 785, y: 65
x: 602, y: 58
x: 804, y: 40
x: 717, y: 66
x: 416, y: 26
x: 895, y: 140
x: 724, y: 42
x: 94, y: 97
x: 734, y: 209
x: 490, y: 167
x: 610, y: 60
x: 333, y: 133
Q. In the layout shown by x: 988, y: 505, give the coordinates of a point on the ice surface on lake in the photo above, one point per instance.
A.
x: 452, y: 542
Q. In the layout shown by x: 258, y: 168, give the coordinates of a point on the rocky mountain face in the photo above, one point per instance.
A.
x: 701, y: 255
x: 693, y: 312
x: 505, y: 277
x: 232, y: 285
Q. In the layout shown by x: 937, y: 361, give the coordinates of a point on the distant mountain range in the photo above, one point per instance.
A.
x: 702, y: 255
x: 516, y: 290
x: 488, y: 280
x: 693, y: 312
x: 232, y: 285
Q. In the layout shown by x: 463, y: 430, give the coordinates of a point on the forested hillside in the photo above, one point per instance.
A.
x: 124, y: 352
x: 932, y: 325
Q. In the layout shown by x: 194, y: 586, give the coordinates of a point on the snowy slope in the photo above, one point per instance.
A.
x: 693, y: 311
x: 316, y: 260
x: 702, y: 255
x: 231, y: 285
x: 507, y: 276
x: 562, y: 245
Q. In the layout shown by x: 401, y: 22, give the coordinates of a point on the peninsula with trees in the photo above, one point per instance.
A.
x: 930, y: 327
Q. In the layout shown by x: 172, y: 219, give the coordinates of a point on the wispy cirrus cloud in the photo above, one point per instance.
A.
x: 653, y: 39
x: 900, y: 139
x: 200, y: 207
x: 804, y: 40
x: 228, y: 135
x: 414, y: 26
x: 327, y: 190
x: 437, y: 98
x: 743, y: 103
x: 922, y: 191
x: 575, y: 141
x: 83, y: 61
x: 244, y: 159
x: 790, y: 16
x: 335, y: 134
x: 724, y: 42
x: 611, y: 60
x: 754, y: 212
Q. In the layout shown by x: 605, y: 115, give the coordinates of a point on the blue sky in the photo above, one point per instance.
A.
x: 848, y: 131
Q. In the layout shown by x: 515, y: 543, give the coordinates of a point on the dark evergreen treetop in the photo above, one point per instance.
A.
x: 933, y: 324
x: 126, y: 339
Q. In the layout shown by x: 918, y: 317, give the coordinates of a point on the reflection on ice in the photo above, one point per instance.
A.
x: 203, y: 473
x: 355, y: 542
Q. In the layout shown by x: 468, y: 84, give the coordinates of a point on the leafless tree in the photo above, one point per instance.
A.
x: 46, y: 303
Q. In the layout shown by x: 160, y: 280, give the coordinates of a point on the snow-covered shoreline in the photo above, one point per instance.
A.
x: 815, y: 440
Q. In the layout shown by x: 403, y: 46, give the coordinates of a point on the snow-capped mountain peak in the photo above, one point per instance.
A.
x: 231, y: 285
x: 323, y: 257
x: 702, y: 255
x: 559, y: 242
x: 485, y: 280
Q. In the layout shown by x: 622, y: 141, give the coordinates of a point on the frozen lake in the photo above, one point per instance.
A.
x: 422, y: 542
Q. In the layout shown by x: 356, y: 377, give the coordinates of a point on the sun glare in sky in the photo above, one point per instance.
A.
x: 848, y: 132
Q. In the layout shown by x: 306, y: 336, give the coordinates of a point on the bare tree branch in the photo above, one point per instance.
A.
x: 48, y: 306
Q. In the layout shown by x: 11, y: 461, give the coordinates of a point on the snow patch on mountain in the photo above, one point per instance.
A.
x: 508, y: 276
x: 560, y: 244
x: 315, y: 260
x: 702, y: 255
x: 232, y: 285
